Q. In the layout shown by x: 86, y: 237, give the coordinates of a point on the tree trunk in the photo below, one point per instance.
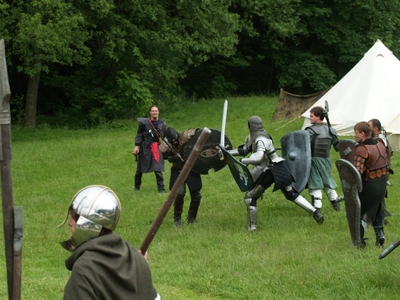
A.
x: 31, y: 100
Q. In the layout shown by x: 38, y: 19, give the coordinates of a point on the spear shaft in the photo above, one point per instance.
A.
x: 389, y: 249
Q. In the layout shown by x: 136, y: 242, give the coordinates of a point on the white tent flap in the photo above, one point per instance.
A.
x: 370, y: 90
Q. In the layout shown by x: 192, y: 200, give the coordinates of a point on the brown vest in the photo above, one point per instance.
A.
x: 371, y: 160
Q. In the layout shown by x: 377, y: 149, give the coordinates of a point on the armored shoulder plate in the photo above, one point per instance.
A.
x: 266, y: 139
x: 361, y: 150
x: 187, y: 135
x: 333, y: 131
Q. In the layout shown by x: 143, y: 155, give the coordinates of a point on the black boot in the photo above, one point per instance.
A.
x: 336, y: 205
x: 362, y: 244
x: 192, y: 213
x: 318, y: 217
x: 380, y: 237
x: 160, y: 181
x: 178, y: 207
x: 138, y: 180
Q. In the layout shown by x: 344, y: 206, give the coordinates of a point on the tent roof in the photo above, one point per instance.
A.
x: 371, y: 89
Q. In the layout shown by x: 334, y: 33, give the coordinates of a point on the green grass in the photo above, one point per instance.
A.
x: 289, y: 257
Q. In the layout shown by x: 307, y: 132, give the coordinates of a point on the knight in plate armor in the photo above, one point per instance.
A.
x: 268, y: 168
x: 322, y: 137
x: 372, y: 161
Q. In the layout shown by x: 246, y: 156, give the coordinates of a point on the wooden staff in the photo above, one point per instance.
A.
x: 187, y: 167
x: 6, y: 179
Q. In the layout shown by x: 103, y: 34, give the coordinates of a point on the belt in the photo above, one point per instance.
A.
x: 376, y: 173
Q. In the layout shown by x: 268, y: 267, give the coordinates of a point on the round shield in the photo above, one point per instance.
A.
x: 209, y: 158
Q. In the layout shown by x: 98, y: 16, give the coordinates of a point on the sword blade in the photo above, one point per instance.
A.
x: 224, y: 113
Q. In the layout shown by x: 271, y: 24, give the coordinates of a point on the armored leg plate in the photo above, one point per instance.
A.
x: 252, y: 218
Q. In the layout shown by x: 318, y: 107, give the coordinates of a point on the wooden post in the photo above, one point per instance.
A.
x: 6, y: 179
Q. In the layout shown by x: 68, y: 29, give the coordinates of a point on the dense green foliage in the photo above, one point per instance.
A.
x: 289, y: 257
x: 100, y: 60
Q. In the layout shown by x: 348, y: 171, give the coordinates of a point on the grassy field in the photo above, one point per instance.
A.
x: 289, y: 257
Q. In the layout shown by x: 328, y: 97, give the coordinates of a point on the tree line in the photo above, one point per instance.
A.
x: 83, y: 62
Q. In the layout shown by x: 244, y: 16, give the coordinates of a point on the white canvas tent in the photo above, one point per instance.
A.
x: 370, y: 90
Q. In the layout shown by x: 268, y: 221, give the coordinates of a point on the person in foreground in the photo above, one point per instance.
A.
x: 102, y: 265
x: 371, y: 160
x: 148, y: 137
x: 172, y: 149
x: 268, y: 168
x: 322, y: 138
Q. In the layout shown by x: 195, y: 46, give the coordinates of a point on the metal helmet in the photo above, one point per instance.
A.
x: 255, y: 126
x: 97, y: 207
x: 172, y: 135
